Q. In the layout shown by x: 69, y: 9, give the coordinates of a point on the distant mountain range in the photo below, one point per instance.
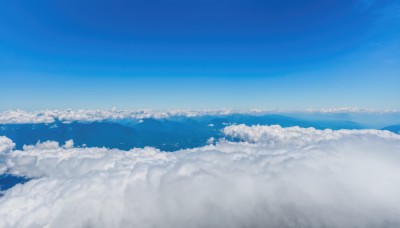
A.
x: 168, y: 134
x: 393, y: 128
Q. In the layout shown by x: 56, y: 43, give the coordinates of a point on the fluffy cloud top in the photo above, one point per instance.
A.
x: 69, y: 144
x: 6, y: 145
x: 48, y: 145
x: 275, y: 177
x: 276, y: 136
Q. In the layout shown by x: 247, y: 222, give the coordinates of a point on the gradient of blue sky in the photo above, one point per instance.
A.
x: 195, y: 54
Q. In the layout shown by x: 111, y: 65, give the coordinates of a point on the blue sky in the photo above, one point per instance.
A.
x: 196, y: 54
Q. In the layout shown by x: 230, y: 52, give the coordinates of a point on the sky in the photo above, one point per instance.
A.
x: 192, y: 54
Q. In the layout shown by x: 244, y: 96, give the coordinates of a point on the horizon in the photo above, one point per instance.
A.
x: 200, y: 113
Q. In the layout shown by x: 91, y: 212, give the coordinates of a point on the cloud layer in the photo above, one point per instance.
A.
x: 49, y: 116
x: 273, y: 177
x: 277, y: 136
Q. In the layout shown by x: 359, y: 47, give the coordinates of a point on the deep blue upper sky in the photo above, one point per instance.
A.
x: 188, y: 54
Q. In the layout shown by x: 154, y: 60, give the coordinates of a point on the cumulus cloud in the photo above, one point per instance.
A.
x: 273, y: 177
x: 211, y: 140
x: 69, y: 144
x: 6, y: 145
x: 276, y: 136
x: 48, y: 145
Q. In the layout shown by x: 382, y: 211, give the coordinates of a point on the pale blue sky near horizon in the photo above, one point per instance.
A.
x: 291, y: 55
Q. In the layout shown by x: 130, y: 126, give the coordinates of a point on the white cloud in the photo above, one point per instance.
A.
x: 48, y: 145
x: 69, y: 144
x: 69, y: 115
x: 277, y: 177
x: 6, y: 145
x: 49, y: 116
x: 19, y: 116
x: 352, y: 110
x: 211, y: 140
x: 276, y: 136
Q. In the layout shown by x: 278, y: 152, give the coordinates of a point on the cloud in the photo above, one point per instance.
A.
x: 6, y: 145
x: 276, y: 136
x: 273, y: 177
x: 20, y: 116
x: 49, y: 116
x: 352, y: 110
x: 48, y: 145
x: 69, y: 144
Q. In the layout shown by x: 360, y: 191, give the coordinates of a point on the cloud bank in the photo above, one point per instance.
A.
x: 277, y: 136
x: 273, y: 177
x: 49, y: 116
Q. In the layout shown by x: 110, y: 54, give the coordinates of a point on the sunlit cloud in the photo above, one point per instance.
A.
x: 272, y: 177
